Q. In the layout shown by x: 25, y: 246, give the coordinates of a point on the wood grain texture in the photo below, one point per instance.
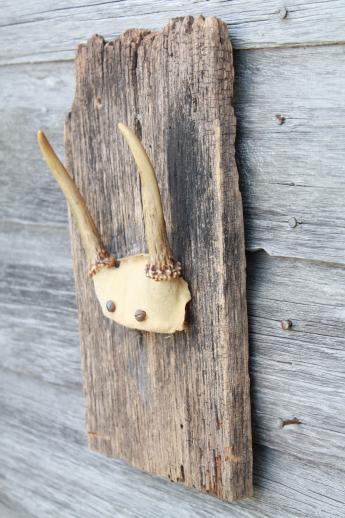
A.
x: 288, y: 368
x: 288, y: 371
x: 51, y: 31
x: 42, y: 444
x: 177, y: 405
x: 42, y: 426
x: 293, y: 170
x: 39, y: 99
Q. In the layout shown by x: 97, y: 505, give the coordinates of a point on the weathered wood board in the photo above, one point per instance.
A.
x: 51, y: 34
x: 42, y: 438
x: 177, y: 405
x: 292, y: 170
x: 51, y: 473
x: 299, y: 469
x: 287, y: 366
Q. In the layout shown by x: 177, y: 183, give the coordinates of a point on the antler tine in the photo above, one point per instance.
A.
x: 97, y: 255
x: 162, y: 265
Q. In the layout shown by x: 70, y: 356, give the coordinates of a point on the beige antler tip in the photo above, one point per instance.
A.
x: 44, y: 144
x: 96, y: 253
x: 126, y: 132
x: 40, y: 135
x: 161, y: 265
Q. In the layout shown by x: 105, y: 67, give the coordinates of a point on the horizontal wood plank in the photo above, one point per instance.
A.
x: 39, y: 324
x: 41, y: 97
x: 290, y: 171
x: 42, y: 425
x: 50, y: 31
x: 298, y: 373
x: 292, y: 175
x: 38, y: 318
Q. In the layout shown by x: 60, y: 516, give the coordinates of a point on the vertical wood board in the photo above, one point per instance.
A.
x: 178, y: 405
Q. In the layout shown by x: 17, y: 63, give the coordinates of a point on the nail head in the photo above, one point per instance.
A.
x: 288, y: 422
x: 110, y: 305
x: 283, y: 12
x: 292, y: 222
x: 286, y: 324
x: 280, y: 119
x: 140, y: 315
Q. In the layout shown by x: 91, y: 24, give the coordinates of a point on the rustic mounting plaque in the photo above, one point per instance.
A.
x: 177, y: 405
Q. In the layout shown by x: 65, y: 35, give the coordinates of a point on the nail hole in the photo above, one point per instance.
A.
x: 195, y: 104
x: 138, y: 129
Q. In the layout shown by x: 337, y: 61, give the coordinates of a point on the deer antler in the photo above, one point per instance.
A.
x: 161, y: 265
x: 126, y: 295
x: 96, y: 253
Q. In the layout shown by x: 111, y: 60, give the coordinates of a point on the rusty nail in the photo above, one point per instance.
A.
x: 280, y: 119
x: 283, y: 12
x: 286, y: 324
x: 110, y: 306
x: 287, y: 422
x: 140, y: 315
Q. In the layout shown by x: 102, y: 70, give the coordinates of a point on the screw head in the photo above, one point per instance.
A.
x: 286, y: 324
x: 140, y: 315
x: 110, y: 305
x: 292, y: 222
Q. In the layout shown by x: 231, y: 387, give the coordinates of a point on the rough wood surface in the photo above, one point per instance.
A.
x: 293, y: 170
x: 176, y: 405
x: 42, y: 427
x: 287, y: 367
x: 51, y: 473
x: 50, y: 31
x: 300, y: 471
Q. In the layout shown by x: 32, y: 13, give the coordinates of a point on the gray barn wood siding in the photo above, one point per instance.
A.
x: 294, y: 66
